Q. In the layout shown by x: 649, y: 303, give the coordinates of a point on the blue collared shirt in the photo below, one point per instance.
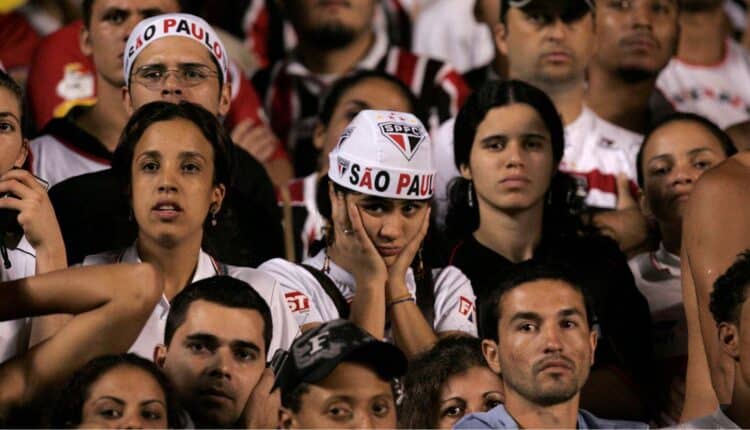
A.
x: 499, y: 418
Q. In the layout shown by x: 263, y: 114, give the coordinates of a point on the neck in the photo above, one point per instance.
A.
x: 671, y: 236
x: 618, y: 101
x: 106, y: 119
x: 737, y: 411
x: 513, y: 236
x: 567, y: 97
x: 335, y: 61
x: 529, y: 415
x: 702, y: 37
x: 177, y: 263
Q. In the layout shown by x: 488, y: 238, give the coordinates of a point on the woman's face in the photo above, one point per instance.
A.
x: 125, y: 397
x: 391, y: 224
x: 173, y: 187
x: 476, y: 390
x: 675, y: 156
x: 371, y: 93
x: 510, y: 163
x: 13, y: 148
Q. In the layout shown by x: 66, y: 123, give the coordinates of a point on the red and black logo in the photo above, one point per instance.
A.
x: 406, y: 137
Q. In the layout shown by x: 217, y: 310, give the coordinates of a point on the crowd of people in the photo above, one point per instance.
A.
x: 300, y: 214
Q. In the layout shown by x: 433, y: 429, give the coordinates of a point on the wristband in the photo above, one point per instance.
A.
x: 402, y: 299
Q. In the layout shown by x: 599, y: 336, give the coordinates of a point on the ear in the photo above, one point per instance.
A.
x: 491, y: 353
x: 645, y: 207
x: 593, y: 339
x: 286, y: 419
x: 160, y: 355
x: 127, y: 101
x: 225, y: 99
x: 465, y: 171
x: 729, y: 339
x: 22, y: 154
x: 84, y: 42
x: 501, y: 34
x: 319, y: 134
x: 217, y: 198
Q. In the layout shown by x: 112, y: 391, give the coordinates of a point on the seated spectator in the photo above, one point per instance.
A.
x: 117, y: 391
x: 732, y: 317
x: 31, y: 239
x: 339, y: 376
x: 513, y: 205
x: 105, y: 321
x: 172, y: 162
x: 537, y: 330
x: 703, y: 76
x: 376, y: 200
x: 447, y: 382
x: 335, y: 40
x: 218, y: 369
x: 249, y: 231
x: 674, y: 154
x: 367, y: 89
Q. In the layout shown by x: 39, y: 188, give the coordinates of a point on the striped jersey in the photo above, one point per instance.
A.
x: 291, y: 94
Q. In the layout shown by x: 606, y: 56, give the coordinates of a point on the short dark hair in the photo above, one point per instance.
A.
x: 730, y: 290
x: 427, y: 374
x: 6, y: 81
x: 524, y: 273
x: 724, y: 140
x: 88, y: 5
x: 159, y: 111
x: 344, y: 84
x: 67, y: 411
x: 292, y: 399
x: 224, y: 291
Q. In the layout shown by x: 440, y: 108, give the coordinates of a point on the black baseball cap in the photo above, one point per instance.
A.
x: 566, y: 10
x: 316, y: 353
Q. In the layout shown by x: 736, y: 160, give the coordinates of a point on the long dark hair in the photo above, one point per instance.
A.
x: 562, y: 203
x: 67, y: 412
x: 427, y: 374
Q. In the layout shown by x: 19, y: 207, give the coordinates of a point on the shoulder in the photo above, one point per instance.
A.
x: 103, y: 257
x: 723, y: 184
x: 594, y: 422
x: 496, y: 418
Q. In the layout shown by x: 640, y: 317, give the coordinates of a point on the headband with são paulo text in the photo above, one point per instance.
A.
x: 386, y: 154
x: 173, y: 24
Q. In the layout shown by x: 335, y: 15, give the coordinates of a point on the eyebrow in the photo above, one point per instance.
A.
x: 205, y: 337
x: 112, y: 398
x: 184, y: 154
x: 450, y: 399
x: 245, y: 344
x: 691, y: 153
x: 10, y: 114
x: 569, y: 312
x: 526, y: 316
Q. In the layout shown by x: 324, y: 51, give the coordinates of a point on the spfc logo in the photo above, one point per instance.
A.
x: 406, y: 137
x: 345, y: 135
x: 343, y: 166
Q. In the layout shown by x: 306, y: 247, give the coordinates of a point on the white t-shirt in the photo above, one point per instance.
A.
x: 720, y: 92
x: 55, y: 160
x: 657, y: 276
x: 454, y: 307
x: 596, y: 151
x: 285, y: 328
x: 14, y: 334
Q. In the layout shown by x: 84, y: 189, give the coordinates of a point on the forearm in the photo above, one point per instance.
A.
x: 411, y: 332
x: 368, y: 308
x: 51, y: 257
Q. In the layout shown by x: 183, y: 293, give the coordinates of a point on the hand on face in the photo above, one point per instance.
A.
x: 36, y: 215
x: 397, y: 270
x: 351, y: 240
x: 262, y: 407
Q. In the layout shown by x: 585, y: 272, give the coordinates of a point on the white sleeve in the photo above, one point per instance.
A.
x: 455, y: 308
x: 299, y: 288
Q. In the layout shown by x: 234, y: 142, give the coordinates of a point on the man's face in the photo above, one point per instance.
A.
x: 352, y: 396
x: 330, y: 24
x: 545, y: 50
x: 111, y: 23
x: 173, y: 54
x: 545, y: 345
x: 636, y: 38
x: 214, y: 365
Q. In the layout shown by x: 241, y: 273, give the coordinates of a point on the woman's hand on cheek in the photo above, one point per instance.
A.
x: 359, y: 255
x: 397, y: 270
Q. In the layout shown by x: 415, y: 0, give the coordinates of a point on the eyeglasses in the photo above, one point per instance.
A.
x: 189, y: 75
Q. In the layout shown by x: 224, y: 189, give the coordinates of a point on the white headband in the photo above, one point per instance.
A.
x: 173, y: 24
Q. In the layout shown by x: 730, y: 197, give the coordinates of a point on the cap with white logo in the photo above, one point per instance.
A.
x: 173, y: 24
x: 386, y: 154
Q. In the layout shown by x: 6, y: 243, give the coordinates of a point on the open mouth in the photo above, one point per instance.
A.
x: 167, y: 210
